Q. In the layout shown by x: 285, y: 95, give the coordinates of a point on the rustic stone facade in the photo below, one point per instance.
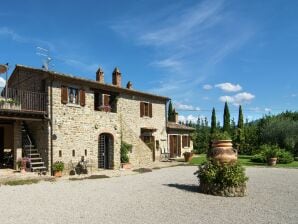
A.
x: 76, y: 127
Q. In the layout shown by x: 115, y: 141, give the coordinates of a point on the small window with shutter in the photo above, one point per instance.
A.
x: 185, y: 141
x: 145, y: 109
x: 71, y: 95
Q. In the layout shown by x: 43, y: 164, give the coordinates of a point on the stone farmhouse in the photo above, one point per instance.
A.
x: 49, y: 116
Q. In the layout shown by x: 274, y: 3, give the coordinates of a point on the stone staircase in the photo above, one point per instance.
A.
x: 31, y: 152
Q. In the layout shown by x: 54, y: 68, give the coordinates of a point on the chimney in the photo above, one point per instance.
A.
x: 116, y: 77
x: 129, y: 85
x: 176, y: 118
x: 100, y: 75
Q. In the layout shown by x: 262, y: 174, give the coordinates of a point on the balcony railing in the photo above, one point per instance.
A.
x: 22, y: 100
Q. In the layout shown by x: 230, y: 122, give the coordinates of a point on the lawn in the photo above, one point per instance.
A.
x: 244, y: 160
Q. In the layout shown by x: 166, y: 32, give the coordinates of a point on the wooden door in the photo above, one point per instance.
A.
x: 173, y: 146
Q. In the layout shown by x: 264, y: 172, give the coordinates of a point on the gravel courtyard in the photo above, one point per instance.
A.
x: 162, y: 196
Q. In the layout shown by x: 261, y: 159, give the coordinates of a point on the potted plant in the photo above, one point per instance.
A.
x: 58, y: 167
x: 222, y: 148
x: 23, y: 164
x: 187, y: 156
x: 124, y: 150
x: 271, y: 155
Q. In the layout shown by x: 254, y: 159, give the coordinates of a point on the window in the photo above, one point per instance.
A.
x: 71, y: 95
x: 85, y: 152
x: 145, y: 109
x: 185, y: 141
x: 60, y: 153
x: 105, y: 102
x: 73, y: 153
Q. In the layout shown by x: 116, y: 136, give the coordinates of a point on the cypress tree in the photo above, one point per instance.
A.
x: 240, y: 118
x: 240, y: 129
x: 213, y: 121
x: 226, y: 118
x: 170, y: 112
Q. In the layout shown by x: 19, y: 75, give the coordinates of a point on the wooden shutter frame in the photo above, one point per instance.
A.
x: 142, y: 108
x: 150, y: 109
x: 82, y: 97
x: 64, y: 94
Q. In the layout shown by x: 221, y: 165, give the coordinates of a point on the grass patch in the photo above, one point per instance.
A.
x: 244, y: 160
x: 198, y: 160
x: 21, y: 182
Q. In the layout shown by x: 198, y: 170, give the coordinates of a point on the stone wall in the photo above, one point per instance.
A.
x: 78, y: 128
x: 129, y: 109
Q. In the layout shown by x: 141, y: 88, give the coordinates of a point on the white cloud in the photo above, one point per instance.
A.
x: 238, y: 99
x: 294, y: 95
x: 207, y: 87
x: 181, y: 106
x: 268, y: 109
x: 2, y: 82
x: 229, y: 87
x: 188, y: 118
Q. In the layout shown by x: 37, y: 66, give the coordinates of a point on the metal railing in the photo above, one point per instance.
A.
x: 16, y: 99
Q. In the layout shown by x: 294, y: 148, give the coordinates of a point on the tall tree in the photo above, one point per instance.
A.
x: 170, y: 112
x: 226, y: 118
x: 240, y: 118
x: 213, y: 121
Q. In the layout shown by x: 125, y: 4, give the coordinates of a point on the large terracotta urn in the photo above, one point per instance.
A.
x: 223, y: 152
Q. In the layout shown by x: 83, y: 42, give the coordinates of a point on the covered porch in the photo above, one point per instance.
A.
x: 23, y: 128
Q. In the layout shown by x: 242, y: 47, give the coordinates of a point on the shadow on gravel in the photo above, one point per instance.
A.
x: 185, y: 187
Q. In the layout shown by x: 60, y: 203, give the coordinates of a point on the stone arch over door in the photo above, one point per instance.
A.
x: 106, y: 151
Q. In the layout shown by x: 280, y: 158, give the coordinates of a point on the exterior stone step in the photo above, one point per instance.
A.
x: 36, y: 164
x: 28, y: 146
x: 36, y: 159
x: 38, y: 168
x: 33, y: 155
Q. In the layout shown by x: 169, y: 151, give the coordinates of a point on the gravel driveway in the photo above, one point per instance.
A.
x: 163, y: 196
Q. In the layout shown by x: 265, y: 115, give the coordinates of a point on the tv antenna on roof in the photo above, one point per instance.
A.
x: 44, y: 53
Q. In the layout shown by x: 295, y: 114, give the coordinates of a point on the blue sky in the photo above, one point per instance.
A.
x: 199, y: 53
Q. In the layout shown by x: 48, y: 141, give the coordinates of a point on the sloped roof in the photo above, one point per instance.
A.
x: 91, y: 83
x: 175, y: 126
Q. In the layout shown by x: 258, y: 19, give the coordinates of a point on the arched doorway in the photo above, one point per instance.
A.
x: 105, y: 151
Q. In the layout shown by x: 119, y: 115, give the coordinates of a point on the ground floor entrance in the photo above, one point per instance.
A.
x: 175, y: 146
x: 6, y: 145
x: 105, y: 151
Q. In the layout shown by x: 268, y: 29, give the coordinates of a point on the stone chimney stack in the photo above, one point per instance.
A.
x: 100, y: 75
x: 116, y: 77
x: 129, y: 85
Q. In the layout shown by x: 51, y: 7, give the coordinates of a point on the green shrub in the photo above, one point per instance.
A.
x: 221, y: 136
x: 221, y: 176
x: 258, y: 158
x: 266, y: 152
x: 284, y: 157
x: 58, y: 166
x: 124, y: 150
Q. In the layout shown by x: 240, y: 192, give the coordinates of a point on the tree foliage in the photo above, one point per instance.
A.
x: 226, y: 119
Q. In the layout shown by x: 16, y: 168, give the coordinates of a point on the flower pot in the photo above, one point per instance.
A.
x: 187, y: 156
x: 223, y: 152
x: 126, y: 166
x: 58, y: 173
x: 272, y: 161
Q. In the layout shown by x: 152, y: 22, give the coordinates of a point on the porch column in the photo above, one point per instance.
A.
x: 17, y: 142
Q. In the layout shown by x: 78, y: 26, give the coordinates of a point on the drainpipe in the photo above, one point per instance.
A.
x: 166, y: 115
x: 51, y: 124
